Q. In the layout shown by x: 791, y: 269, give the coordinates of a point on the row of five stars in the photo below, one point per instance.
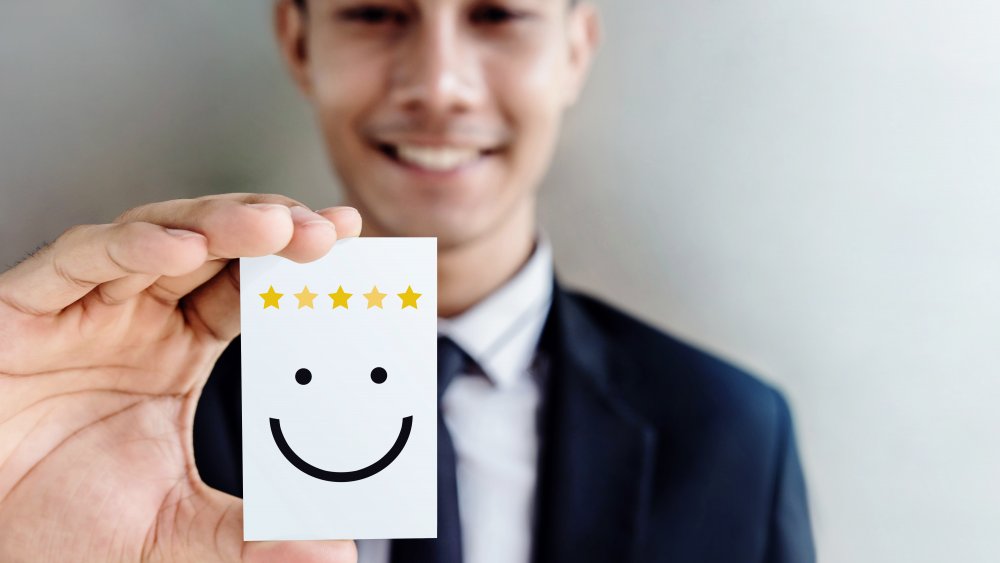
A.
x: 271, y: 298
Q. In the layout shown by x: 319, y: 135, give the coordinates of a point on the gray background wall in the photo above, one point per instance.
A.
x: 808, y: 188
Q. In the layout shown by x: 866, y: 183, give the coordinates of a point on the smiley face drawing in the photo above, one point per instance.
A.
x: 378, y: 375
x: 338, y: 383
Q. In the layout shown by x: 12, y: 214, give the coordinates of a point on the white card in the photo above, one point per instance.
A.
x: 347, y: 450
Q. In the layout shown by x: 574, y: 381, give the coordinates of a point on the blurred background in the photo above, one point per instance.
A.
x: 810, y: 189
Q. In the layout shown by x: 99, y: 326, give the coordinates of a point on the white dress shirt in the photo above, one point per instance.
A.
x: 492, y: 416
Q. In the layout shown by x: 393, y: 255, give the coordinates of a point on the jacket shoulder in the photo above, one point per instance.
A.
x: 725, y: 456
x: 667, y: 378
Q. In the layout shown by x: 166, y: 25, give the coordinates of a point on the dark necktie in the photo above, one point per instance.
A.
x: 447, y: 548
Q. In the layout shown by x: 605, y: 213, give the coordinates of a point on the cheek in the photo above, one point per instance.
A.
x: 528, y: 91
x: 529, y: 77
x: 344, y: 90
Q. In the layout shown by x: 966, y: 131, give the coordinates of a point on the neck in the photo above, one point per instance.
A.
x: 471, y: 271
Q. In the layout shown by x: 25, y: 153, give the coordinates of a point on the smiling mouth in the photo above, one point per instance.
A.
x: 341, y: 476
x: 434, y: 158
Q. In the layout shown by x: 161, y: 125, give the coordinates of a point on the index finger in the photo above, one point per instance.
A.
x: 88, y: 255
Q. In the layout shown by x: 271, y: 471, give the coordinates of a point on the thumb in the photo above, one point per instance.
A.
x: 209, y: 527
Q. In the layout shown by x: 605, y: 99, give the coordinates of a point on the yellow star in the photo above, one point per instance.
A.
x: 409, y: 298
x: 374, y: 298
x: 340, y: 297
x: 306, y: 298
x: 271, y: 298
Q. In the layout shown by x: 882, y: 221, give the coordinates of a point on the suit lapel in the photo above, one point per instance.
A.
x: 596, y: 453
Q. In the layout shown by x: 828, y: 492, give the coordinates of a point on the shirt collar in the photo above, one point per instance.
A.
x: 501, y: 332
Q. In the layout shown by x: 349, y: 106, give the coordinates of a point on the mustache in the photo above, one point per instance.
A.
x: 459, y: 130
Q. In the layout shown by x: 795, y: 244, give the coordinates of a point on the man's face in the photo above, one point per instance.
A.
x: 440, y: 116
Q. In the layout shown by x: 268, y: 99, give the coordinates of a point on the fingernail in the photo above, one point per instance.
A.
x: 306, y: 217
x: 347, y: 217
x: 269, y: 206
x: 182, y: 234
x: 339, y: 209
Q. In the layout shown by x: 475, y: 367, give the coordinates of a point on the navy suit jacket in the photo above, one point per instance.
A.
x: 650, y: 449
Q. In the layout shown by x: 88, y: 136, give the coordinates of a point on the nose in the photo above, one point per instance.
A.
x: 436, y: 72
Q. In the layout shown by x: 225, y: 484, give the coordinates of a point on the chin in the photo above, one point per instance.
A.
x: 451, y: 226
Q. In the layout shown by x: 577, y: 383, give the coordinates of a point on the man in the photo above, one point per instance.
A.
x: 573, y: 432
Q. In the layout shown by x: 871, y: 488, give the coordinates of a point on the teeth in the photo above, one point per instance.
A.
x: 436, y: 158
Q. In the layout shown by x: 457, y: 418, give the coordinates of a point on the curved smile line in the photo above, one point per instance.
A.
x: 341, y: 476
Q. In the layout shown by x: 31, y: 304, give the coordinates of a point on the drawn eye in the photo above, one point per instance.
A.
x: 379, y: 375
x: 303, y: 376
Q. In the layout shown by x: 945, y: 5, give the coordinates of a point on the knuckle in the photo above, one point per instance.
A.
x: 70, y: 239
x: 133, y: 213
x: 135, y: 230
x: 126, y: 230
x: 144, y: 211
x: 106, y: 298
x: 74, y: 232
x: 129, y: 240
x: 212, y: 208
x: 137, y: 247
x: 59, y: 267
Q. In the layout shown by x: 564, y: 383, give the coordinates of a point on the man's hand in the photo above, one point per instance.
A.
x: 106, y: 339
